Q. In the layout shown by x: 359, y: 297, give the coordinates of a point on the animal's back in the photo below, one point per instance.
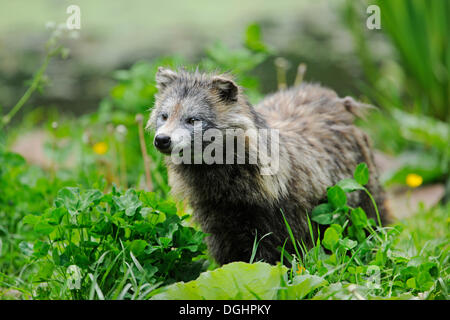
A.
x: 302, y: 109
x: 323, y: 143
x: 235, y: 203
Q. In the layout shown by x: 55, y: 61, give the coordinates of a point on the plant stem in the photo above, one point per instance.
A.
x: 122, y: 166
x: 148, y: 177
x: 281, y: 66
x: 301, y: 69
x: 114, y: 166
x: 375, y: 206
x: 36, y: 80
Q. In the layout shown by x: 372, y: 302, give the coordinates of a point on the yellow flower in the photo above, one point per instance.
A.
x: 413, y: 180
x: 100, y: 148
x: 300, y: 269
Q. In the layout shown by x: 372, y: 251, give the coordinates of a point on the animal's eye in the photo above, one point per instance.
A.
x: 164, y: 116
x: 191, y: 120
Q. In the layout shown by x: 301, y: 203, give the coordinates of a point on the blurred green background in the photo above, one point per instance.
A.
x: 116, y: 34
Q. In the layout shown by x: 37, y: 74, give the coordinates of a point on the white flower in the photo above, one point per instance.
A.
x: 121, y: 129
x: 50, y: 25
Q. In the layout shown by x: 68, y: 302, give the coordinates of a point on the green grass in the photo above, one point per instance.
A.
x: 131, y: 245
x: 418, y: 33
x: 408, y: 260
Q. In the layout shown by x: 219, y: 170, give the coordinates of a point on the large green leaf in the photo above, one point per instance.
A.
x: 253, y: 39
x: 303, y: 285
x: 75, y: 201
x: 425, y: 130
x: 129, y: 202
x: 330, y: 238
x: 237, y: 280
x: 336, y: 197
x: 322, y: 214
x: 358, y: 217
x: 349, y: 185
x: 361, y: 174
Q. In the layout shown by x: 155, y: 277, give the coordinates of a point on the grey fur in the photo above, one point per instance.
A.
x: 319, y: 146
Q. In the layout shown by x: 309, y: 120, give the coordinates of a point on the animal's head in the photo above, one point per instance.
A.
x: 189, y: 102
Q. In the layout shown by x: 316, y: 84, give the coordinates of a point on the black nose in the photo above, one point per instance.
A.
x: 162, y: 141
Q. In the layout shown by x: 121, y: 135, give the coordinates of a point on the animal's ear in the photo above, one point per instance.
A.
x: 164, y: 77
x: 226, y: 88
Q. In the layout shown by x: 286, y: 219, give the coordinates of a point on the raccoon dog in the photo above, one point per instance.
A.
x: 317, y: 145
